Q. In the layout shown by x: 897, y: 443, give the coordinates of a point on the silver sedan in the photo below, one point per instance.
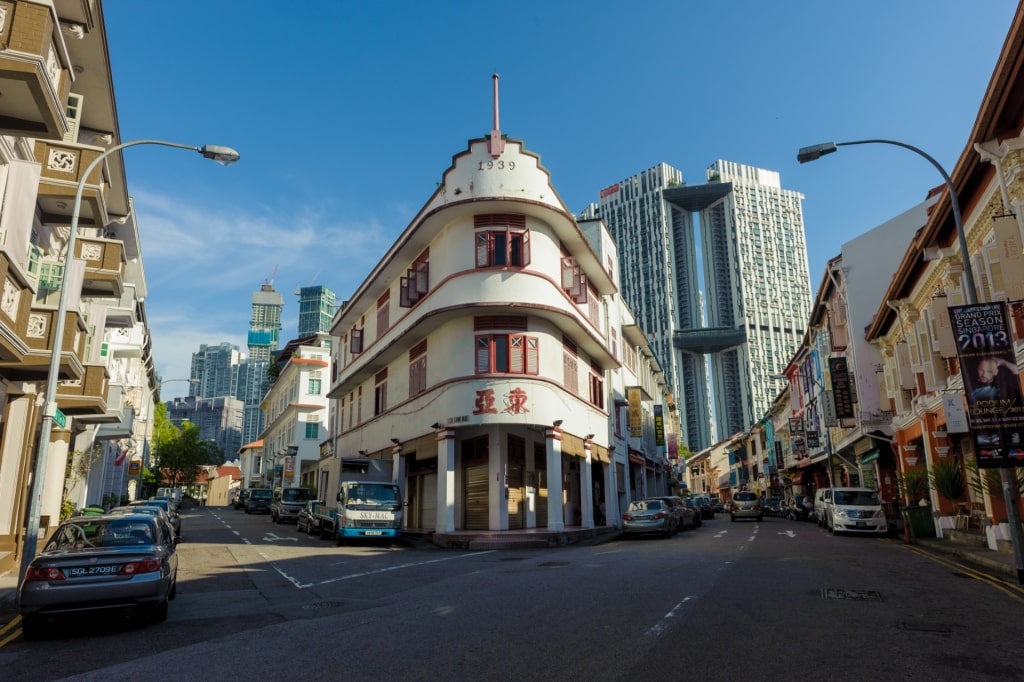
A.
x: 109, y: 562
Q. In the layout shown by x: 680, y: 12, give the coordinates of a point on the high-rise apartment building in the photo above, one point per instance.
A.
x: 264, y: 337
x: 316, y: 310
x: 215, y: 371
x: 739, y: 315
x: 265, y: 323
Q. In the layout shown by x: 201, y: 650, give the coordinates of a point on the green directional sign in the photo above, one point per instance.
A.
x: 60, y: 419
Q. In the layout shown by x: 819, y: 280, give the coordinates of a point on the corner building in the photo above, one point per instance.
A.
x: 474, y: 356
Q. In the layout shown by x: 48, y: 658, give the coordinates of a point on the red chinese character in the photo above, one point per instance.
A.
x: 485, y: 402
x: 515, y: 401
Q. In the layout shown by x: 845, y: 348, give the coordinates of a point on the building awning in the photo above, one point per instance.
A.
x: 869, y: 456
x: 636, y: 459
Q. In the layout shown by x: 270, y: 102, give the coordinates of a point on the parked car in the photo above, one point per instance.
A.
x: 243, y: 495
x: 685, y: 519
x: 707, y: 509
x: 692, y: 504
x: 286, y: 503
x: 309, y: 517
x: 108, y: 562
x: 772, y: 505
x: 166, y: 506
x: 855, y: 510
x: 822, y: 499
x: 746, y: 505
x: 152, y: 510
x: 647, y: 516
x: 258, y: 501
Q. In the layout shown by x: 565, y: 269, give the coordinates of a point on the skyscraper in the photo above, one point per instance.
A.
x: 742, y: 313
x: 316, y: 310
x: 264, y: 337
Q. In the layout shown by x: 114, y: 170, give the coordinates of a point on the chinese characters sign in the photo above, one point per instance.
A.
x: 659, y: 426
x: 636, y: 422
x: 988, y: 365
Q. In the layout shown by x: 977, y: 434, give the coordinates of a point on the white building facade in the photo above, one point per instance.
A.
x: 476, y: 357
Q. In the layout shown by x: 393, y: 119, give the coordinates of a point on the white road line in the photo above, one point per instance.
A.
x: 236, y: 532
x: 401, y: 566
x: 663, y: 624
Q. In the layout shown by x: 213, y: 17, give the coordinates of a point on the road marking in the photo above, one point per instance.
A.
x: 15, y: 631
x: 236, y: 532
x: 663, y: 624
x: 1009, y: 589
x: 270, y: 537
x: 788, y: 533
x: 721, y: 533
x: 401, y: 566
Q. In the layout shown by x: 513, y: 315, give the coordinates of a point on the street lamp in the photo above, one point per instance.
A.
x: 223, y: 155
x: 816, y: 151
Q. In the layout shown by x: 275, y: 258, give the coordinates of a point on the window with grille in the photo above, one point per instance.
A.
x: 570, y: 367
x: 507, y: 354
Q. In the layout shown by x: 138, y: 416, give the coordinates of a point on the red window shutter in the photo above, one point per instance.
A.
x: 526, y: 248
x: 568, y: 272
x: 483, y: 249
x: 532, y: 355
x: 517, y: 359
x: 483, y: 354
x: 421, y: 278
x: 580, y: 296
x: 403, y: 293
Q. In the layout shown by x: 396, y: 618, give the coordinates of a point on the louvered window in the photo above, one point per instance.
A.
x: 574, y: 282
x: 383, y: 310
x: 510, y: 248
x: 507, y: 354
x: 416, y: 283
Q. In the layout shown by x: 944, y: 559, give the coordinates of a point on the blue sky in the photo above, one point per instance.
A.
x: 346, y: 114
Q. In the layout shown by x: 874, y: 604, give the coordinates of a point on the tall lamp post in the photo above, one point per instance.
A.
x: 817, y: 151
x: 223, y: 155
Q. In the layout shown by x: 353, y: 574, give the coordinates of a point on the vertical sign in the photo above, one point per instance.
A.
x: 796, y: 435
x: 659, y: 426
x: 842, y: 390
x: 636, y: 421
x: 988, y: 365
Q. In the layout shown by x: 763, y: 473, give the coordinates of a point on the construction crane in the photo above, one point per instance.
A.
x: 270, y: 280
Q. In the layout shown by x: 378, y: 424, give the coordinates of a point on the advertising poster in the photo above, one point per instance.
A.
x: 988, y: 365
x: 636, y: 419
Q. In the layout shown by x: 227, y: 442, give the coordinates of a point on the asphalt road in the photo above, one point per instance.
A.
x: 745, y: 600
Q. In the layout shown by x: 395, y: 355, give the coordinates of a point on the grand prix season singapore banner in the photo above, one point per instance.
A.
x: 988, y: 365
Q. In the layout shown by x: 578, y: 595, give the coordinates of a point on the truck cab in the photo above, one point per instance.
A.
x: 286, y: 504
x: 368, y: 509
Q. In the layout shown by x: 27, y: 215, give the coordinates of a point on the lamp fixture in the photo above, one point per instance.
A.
x: 363, y: 453
x: 437, y: 425
x: 395, y: 441
x: 590, y: 436
x: 558, y: 422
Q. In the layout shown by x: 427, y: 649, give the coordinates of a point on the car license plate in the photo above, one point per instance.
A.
x: 861, y: 524
x: 374, y: 532
x: 84, y: 571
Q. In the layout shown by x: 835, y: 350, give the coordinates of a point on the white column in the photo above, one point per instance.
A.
x: 587, y: 488
x: 445, y: 481
x: 556, y: 521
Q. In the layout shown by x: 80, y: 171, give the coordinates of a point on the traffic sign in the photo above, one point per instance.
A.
x: 60, y: 419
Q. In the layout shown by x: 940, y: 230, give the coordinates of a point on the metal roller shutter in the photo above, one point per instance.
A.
x: 475, y: 516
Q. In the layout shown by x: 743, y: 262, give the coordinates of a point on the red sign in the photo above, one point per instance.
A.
x: 608, y: 191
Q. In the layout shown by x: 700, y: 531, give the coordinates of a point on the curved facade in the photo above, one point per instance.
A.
x: 475, y: 356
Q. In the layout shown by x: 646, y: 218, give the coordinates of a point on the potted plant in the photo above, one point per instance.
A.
x: 948, y: 480
x: 914, y: 487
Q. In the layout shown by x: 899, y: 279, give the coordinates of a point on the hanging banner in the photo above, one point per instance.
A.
x: 659, y: 426
x: 988, y: 365
x: 636, y: 421
x: 842, y: 389
x: 134, y: 466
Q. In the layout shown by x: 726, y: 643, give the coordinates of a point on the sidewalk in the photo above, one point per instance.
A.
x: 972, y: 548
x: 8, y: 588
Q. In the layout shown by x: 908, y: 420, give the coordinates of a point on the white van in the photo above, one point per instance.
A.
x: 854, y: 510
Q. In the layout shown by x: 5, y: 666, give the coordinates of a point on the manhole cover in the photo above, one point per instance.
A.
x: 554, y: 564
x: 851, y: 595
x: 323, y: 605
